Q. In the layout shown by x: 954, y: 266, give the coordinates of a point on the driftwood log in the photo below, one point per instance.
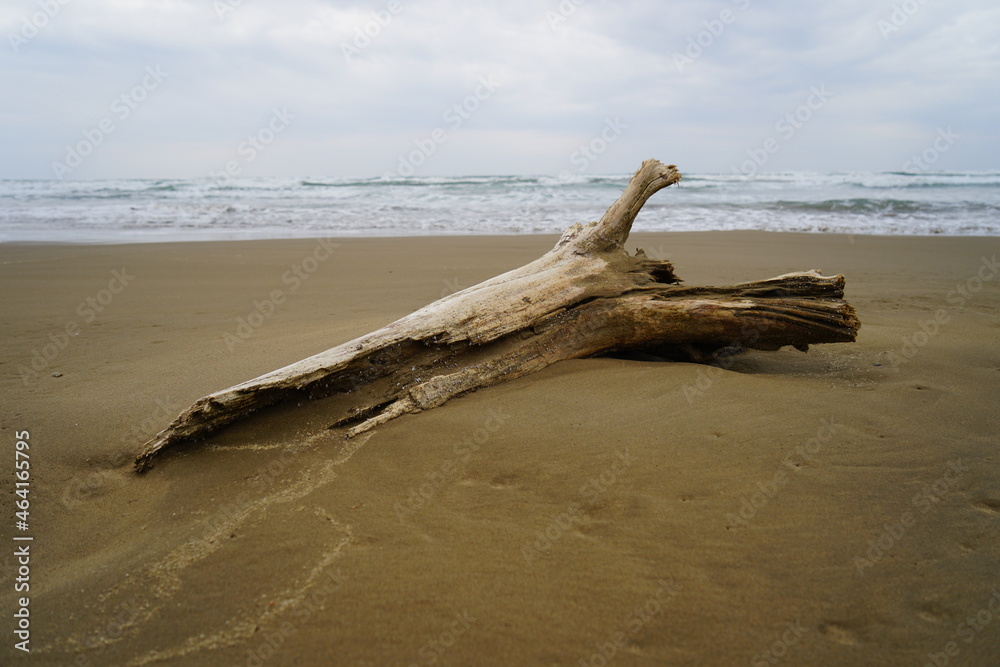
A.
x: 584, y: 297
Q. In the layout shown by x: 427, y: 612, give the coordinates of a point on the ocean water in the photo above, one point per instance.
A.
x: 139, y: 210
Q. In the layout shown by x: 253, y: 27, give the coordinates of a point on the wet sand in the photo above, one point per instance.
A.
x: 839, y: 507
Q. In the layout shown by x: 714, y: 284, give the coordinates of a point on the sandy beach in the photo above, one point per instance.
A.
x: 839, y: 507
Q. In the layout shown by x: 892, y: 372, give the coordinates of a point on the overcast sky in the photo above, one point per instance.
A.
x: 174, y: 88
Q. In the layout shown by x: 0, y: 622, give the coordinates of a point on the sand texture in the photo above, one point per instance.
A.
x: 839, y: 507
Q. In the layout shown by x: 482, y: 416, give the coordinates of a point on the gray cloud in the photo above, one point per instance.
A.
x: 699, y: 84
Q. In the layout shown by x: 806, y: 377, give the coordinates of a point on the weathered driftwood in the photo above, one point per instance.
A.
x: 585, y: 296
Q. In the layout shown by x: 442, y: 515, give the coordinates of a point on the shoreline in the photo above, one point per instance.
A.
x: 486, y: 235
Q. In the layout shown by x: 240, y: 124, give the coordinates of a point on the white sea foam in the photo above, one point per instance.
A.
x: 153, y: 210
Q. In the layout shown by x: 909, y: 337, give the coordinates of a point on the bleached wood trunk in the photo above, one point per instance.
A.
x: 585, y: 296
